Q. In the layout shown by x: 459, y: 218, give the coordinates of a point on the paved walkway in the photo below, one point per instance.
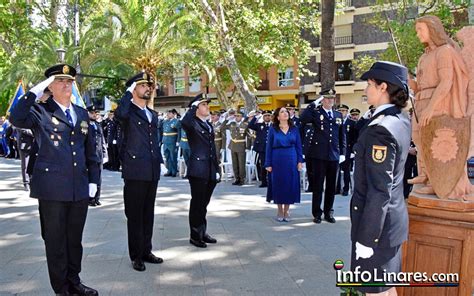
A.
x: 255, y: 255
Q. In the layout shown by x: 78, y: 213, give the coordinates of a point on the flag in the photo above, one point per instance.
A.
x: 20, y: 91
x: 76, y: 96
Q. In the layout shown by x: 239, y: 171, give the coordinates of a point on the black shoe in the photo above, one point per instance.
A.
x: 236, y: 182
x: 197, y: 243
x: 345, y: 193
x: 138, y: 265
x: 92, y: 203
x: 241, y: 183
x: 167, y: 174
x: 174, y: 175
x: 209, y: 239
x: 81, y: 289
x: 98, y: 203
x: 262, y: 186
x: 329, y: 218
x: 317, y: 220
x: 150, y: 258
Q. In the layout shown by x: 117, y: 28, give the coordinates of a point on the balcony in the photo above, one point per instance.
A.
x: 346, y: 3
x: 341, y: 40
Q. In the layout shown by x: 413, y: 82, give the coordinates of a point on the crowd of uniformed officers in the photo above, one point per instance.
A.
x: 70, y: 146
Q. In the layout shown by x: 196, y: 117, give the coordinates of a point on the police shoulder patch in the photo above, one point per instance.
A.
x: 379, y: 153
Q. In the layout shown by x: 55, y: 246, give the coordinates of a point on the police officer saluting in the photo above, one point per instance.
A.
x: 261, y: 128
x: 65, y: 174
x: 203, y: 168
x: 327, y: 150
x: 344, y: 179
x: 141, y: 160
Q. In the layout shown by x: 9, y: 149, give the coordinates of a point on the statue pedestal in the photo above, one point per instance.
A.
x: 440, y: 240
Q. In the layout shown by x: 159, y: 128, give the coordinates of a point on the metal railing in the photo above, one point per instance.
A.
x: 347, y: 3
x: 343, y: 40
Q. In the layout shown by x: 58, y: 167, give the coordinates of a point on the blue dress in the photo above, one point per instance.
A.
x: 283, y: 152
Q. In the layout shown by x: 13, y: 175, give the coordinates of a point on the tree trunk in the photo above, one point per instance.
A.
x: 327, y: 45
x: 218, y: 20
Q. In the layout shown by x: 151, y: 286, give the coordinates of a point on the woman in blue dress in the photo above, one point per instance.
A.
x: 284, y: 161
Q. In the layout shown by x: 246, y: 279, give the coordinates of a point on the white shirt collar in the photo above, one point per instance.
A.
x: 328, y: 110
x: 72, y: 112
x: 148, y: 113
x: 382, y: 107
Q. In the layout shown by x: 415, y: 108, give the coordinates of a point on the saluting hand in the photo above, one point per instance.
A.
x: 38, y: 89
x: 318, y: 101
x: 131, y: 88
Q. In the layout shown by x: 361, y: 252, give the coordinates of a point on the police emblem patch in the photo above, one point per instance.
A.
x: 55, y: 120
x: 379, y: 153
x: 338, y: 121
x: 84, y: 127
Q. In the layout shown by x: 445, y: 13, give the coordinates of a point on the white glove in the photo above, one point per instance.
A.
x: 258, y: 116
x: 342, y: 158
x: 177, y: 144
x: 367, y: 114
x: 92, y: 189
x: 318, y: 101
x: 114, y: 142
x: 131, y: 88
x: 363, y: 251
x: 196, y: 103
x: 218, y: 176
x: 105, y: 160
x: 251, y: 113
x: 38, y: 89
x: 352, y: 155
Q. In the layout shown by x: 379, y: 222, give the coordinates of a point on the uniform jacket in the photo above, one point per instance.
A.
x: 349, y: 127
x: 183, y: 142
x: 239, y: 136
x: 308, y: 133
x: 203, y: 161
x: 261, y: 130
x: 25, y: 139
x: 100, y: 146
x: 170, y: 131
x: 140, y: 151
x: 66, y: 161
x: 378, y: 212
x: 329, y: 137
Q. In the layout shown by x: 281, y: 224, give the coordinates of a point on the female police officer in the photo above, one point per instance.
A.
x: 378, y: 212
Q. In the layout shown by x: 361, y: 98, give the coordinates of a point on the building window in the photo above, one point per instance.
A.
x: 195, y: 84
x: 285, y: 77
x: 343, y: 71
x: 179, y: 86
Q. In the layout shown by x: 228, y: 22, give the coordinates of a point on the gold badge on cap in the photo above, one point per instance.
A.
x: 379, y: 153
x: 66, y: 69
x: 55, y: 120
x: 145, y: 77
x: 84, y: 127
x: 321, y: 117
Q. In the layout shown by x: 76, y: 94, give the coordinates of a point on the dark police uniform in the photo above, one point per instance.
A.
x: 101, y: 153
x: 346, y: 166
x: 328, y: 143
x: 64, y: 168
x: 141, y: 159
x: 202, y: 173
x: 25, y: 144
x: 184, y: 145
x: 169, y: 140
x: 379, y: 215
x: 113, y: 138
x: 260, y: 144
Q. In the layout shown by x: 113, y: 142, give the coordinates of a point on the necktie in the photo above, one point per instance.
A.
x: 330, y: 115
x: 68, y: 116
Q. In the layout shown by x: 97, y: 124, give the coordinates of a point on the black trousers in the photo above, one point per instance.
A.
x: 324, y: 170
x: 262, y: 172
x: 201, y: 191
x: 99, y: 186
x: 62, y: 224
x: 346, y: 167
x: 139, y: 199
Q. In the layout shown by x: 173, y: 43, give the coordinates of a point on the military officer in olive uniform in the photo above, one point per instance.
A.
x: 65, y: 174
x: 239, y: 145
x: 141, y: 160
x: 170, y: 141
x: 217, y: 125
x: 184, y: 145
x: 260, y: 124
x: 345, y: 167
x: 203, y: 169
x: 327, y: 150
